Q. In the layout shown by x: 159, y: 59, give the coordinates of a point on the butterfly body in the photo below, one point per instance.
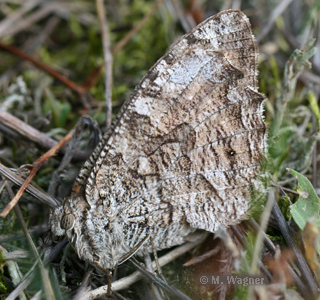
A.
x: 182, y: 154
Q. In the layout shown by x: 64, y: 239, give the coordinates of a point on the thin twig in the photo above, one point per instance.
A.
x: 187, y: 21
x: 26, y: 130
x: 154, y: 290
x: 34, y: 135
x: 84, y: 285
x: 267, y: 242
x: 63, y: 79
x: 36, y: 166
x: 27, y: 20
x: 244, y: 243
x: 36, y: 231
x: 107, y: 59
x: 290, y: 191
x: 23, y: 284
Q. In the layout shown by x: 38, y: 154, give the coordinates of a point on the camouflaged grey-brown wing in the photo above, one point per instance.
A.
x: 187, y: 144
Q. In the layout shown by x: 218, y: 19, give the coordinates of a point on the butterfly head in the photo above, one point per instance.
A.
x: 63, y: 217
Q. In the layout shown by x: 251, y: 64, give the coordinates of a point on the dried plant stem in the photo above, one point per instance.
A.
x: 18, y: 15
x: 26, y: 130
x: 107, y: 59
x: 34, y: 135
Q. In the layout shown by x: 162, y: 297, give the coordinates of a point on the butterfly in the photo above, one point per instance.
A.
x: 181, y: 155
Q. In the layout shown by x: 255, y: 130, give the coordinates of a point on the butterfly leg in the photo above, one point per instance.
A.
x: 133, y: 251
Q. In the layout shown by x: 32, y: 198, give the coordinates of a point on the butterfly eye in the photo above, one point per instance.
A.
x: 67, y: 222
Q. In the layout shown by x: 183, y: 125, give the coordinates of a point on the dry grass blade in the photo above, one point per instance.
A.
x: 42, y: 196
x: 276, y: 12
x: 12, y: 19
x: 263, y: 226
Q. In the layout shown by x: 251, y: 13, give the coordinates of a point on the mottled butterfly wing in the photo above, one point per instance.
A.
x: 184, y: 149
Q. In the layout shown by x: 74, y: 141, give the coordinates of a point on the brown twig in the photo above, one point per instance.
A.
x: 84, y: 284
x: 36, y: 166
x: 73, y: 86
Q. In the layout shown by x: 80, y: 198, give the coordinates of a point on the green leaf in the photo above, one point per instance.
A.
x: 60, y: 110
x: 314, y: 105
x: 75, y: 26
x: 307, y: 205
